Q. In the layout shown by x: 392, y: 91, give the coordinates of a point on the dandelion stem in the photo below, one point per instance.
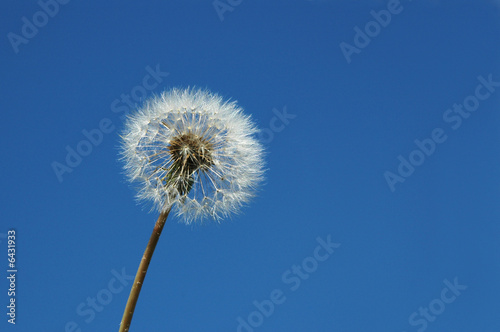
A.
x: 141, y: 272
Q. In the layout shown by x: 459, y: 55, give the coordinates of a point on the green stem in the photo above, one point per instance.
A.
x: 141, y: 272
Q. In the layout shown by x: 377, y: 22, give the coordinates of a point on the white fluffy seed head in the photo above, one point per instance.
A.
x: 191, y: 151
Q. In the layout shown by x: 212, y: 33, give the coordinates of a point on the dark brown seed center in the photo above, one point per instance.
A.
x: 189, y: 153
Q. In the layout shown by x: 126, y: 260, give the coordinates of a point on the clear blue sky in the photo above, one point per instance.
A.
x: 421, y: 257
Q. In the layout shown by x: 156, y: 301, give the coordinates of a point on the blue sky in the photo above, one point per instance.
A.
x: 413, y: 226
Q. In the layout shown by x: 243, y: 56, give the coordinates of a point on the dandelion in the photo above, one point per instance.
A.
x: 190, y: 152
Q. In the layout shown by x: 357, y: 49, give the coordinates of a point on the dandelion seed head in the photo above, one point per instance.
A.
x: 193, y: 152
